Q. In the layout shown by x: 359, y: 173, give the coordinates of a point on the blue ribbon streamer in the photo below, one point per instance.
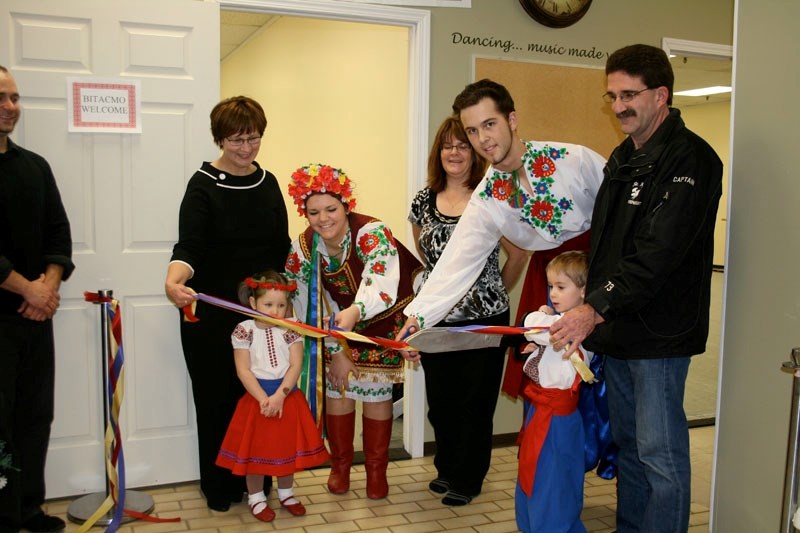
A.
x: 313, y: 347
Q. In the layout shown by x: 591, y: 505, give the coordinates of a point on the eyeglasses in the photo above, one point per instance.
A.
x: 460, y: 147
x: 252, y: 141
x: 624, y: 96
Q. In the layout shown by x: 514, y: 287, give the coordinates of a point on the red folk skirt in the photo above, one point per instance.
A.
x: 272, y: 446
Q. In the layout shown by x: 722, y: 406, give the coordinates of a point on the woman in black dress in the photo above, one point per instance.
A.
x: 232, y: 223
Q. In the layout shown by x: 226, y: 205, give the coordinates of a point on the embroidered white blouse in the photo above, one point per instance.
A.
x: 545, y: 366
x: 268, y: 346
x: 380, y: 278
x: 564, y: 179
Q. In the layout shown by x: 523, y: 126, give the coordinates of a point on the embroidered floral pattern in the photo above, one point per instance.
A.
x: 543, y: 166
x: 340, y: 282
x: 297, y: 269
x: 362, y: 392
x: 367, y: 243
x: 501, y: 189
x: 373, y: 356
x: 378, y: 268
x: 543, y: 210
x: 376, y: 243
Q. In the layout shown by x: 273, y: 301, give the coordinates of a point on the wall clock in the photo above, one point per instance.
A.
x: 556, y: 13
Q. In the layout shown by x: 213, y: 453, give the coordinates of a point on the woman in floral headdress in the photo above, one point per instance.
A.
x: 349, y: 267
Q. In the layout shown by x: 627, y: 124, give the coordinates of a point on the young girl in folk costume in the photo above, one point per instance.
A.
x: 350, y: 268
x: 549, y: 494
x: 272, y: 432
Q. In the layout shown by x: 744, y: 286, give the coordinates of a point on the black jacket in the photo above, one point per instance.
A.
x: 652, y: 245
x: 34, y: 229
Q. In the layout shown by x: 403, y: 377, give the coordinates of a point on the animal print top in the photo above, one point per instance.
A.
x: 488, y: 296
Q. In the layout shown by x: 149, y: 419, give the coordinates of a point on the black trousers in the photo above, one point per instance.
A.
x: 462, y: 390
x: 216, y: 390
x: 27, y: 388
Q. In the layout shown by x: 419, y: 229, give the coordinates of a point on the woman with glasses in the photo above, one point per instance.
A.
x: 232, y: 222
x: 462, y: 388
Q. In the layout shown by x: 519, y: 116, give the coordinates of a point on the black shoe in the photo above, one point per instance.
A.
x: 219, y: 504
x: 44, y: 523
x: 439, y: 485
x: 8, y: 529
x: 456, y: 499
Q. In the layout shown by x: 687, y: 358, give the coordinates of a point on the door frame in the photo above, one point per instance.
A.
x: 711, y: 51
x: 418, y: 22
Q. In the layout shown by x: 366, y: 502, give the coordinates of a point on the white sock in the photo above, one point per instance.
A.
x: 257, y: 501
x: 286, y: 496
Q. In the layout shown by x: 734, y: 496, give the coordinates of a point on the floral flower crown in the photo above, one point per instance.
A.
x: 261, y: 283
x: 319, y: 178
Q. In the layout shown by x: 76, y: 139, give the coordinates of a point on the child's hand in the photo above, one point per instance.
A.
x: 275, y: 406
x: 547, y: 310
x: 529, y: 348
x: 263, y: 405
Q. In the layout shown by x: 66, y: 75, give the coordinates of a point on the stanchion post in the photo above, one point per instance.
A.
x: 792, y: 478
x: 80, y: 510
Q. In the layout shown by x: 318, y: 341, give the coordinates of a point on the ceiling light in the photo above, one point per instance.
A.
x: 704, y: 91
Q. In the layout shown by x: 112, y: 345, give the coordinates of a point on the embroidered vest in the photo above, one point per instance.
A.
x: 374, y: 363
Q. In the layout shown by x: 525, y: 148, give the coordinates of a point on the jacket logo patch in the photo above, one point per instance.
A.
x: 609, y: 286
x: 683, y: 179
x: 635, y: 190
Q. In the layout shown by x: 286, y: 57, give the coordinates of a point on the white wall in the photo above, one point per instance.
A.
x: 762, y: 309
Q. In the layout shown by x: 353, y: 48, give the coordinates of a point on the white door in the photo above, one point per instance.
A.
x: 122, y: 193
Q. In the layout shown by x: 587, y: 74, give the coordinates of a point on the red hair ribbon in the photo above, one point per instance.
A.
x: 268, y: 285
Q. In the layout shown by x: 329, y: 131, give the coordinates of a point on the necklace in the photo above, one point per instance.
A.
x: 454, y: 207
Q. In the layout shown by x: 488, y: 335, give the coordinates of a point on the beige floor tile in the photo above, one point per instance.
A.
x: 386, y: 521
x: 410, y: 506
x: 423, y: 527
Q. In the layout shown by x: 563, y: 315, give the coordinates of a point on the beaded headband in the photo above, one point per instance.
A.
x: 268, y: 285
x: 319, y: 178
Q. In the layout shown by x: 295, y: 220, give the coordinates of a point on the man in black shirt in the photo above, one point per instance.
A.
x: 35, y: 257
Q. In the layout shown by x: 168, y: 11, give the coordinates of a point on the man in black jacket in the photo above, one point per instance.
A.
x: 648, y: 293
x: 35, y: 256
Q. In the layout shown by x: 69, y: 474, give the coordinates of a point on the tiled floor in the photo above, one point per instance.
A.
x: 410, y: 506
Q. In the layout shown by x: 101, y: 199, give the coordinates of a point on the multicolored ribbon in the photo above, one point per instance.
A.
x: 298, y: 327
x: 115, y: 458
x: 311, y: 375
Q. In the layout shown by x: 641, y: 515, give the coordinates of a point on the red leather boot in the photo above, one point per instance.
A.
x: 340, y: 429
x: 377, y: 434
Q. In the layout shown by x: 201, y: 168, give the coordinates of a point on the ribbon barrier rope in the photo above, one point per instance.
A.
x: 117, y: 505
x: 344, y: 336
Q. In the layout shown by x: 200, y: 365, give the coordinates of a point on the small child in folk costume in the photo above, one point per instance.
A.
x: 272, y: 432
x: 549, y: 494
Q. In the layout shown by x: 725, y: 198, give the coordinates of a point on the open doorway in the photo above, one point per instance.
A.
x: 702, y: 65
x: 345, y: 122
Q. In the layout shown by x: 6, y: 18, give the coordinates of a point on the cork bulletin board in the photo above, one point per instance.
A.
x: 557, y: 102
